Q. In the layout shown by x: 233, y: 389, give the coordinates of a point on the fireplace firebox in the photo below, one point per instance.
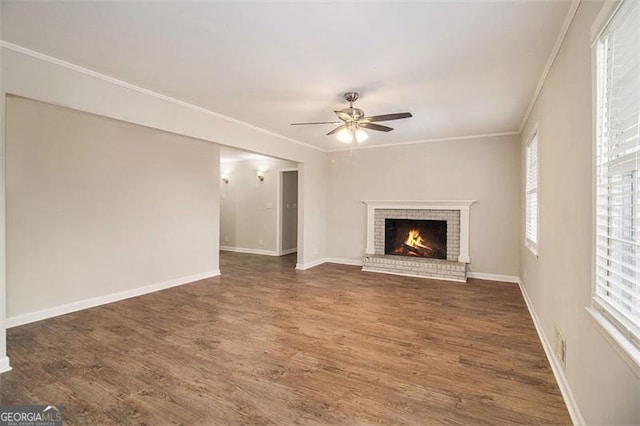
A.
x: 415, y: 238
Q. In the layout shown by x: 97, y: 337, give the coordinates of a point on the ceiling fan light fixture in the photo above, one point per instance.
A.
x: 361, y: 135
x: 345, y: 136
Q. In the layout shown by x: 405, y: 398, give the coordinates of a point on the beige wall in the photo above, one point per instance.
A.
x: 41, y: 78
x: 312, y: 200
x: 96, y: 206
x: 484, y: 169
x: 558, y: 282
x: 4, y: 360
x: 248, y: 207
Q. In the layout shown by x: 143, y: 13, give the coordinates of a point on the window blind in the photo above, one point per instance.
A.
x: 617, y: 272
x: 531, y: 196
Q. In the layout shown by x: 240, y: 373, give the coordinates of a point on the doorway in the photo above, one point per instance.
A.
x: 289, y: 209
x: 259, y: 204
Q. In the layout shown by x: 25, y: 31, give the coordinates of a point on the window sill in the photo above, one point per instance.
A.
x: 620, y: 343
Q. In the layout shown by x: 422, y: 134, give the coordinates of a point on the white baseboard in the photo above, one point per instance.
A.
x: 4, y: 364
x: 558, y: 371
x: 288, y: 251
x: 478, y: 275
x: 305, y: 266
x: 354, y: 262
x: 102, y: 300
x: 249, y: 250
x: 494, y: 277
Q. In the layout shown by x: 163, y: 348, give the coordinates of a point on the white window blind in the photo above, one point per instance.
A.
x: 617, y: 272
x: 531, y: 196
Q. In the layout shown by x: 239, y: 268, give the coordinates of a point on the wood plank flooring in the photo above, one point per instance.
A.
x: 265, y: 344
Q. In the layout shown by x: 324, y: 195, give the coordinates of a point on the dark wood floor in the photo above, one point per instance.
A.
x: 267, y: 344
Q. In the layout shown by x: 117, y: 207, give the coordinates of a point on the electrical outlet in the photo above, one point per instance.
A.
x: 226, y: 238
x: 316, y: 251
x: 260, y: 242
x: 561, y: 348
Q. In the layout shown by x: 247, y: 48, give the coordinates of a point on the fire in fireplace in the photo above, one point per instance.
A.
x: 418, y: 238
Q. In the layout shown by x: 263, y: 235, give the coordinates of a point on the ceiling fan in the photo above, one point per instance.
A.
x: 353, y: 122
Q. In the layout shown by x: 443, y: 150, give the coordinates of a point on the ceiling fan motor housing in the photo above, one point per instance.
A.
x: 354, y: 113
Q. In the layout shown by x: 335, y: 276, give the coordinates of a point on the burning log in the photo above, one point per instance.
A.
x: 417, y: 251
x: 414, y: 245
x: 414, y: 250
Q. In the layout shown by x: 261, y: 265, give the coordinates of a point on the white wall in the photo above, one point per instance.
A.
x: 248, y: 206
x: 96, y: 206
x: 484, y: 169
x: 558, y: 282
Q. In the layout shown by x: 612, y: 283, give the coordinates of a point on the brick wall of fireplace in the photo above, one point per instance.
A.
x: 455, y: 213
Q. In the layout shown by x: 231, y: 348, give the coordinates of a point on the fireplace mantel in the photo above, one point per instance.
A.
x: 461, y: 205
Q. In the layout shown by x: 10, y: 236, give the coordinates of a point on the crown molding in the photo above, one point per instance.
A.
x: 77, y: 68
x: 552, y: 58
x: 59, y: 62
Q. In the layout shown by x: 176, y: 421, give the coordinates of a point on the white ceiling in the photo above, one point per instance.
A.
x: 461, y: 68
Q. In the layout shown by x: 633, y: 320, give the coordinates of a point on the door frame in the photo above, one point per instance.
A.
x: 279, y: 251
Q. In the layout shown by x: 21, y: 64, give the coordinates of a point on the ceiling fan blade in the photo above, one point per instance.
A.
x: 387, y: 117
x: 316, y: 122
x: 344, y: 116
x: 337, y: 129
x: 377, y: 127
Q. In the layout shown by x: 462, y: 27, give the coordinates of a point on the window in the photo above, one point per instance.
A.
x: 531, y: 195
x: 617, y: 253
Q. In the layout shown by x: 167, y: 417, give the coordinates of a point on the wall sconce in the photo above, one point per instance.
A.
x: 260, y: 175
x: 225, y: 178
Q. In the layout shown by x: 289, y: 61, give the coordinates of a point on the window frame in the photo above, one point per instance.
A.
x: 533, y: 246
x: 614, y: 331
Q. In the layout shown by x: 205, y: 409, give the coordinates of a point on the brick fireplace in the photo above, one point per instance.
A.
x: 454, y: 213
